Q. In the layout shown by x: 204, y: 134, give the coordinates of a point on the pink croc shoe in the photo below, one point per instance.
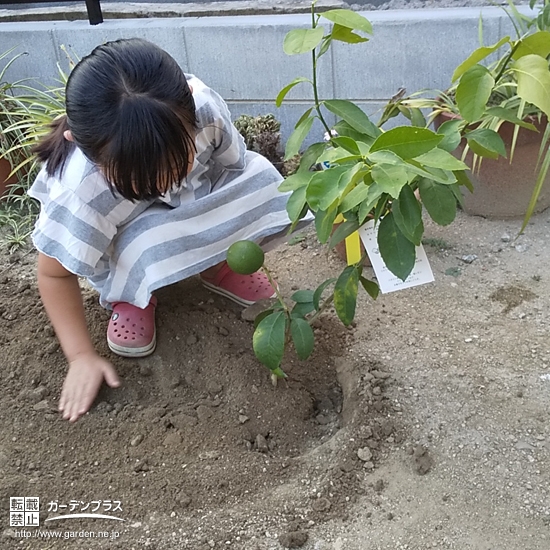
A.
x: 131, y: 331
x: 243, y: 289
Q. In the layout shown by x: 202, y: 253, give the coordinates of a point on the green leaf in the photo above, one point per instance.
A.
x: 438, y: 158
x: 359, y: 172
x: 463, y: 179
x: 375, y: 192
x: 302, y: 309
x: 439, y: 200
x: 343, y: 230
x: 268, y: 340
x: 450, y: 129
x: 473, y: 92
x: 353, y: 115
x: 347, y: 143
x: 381, y: 207
x: 364, y: 144
x: 478, y: 55
x: 319, y: 292
x: 398, y: 252
x: 349, y: 19
x: 337, y: 155
x: 457, y: 193
x: 439, y: 175
x: 356, y: 196
x: 486, y: 143
x: 416, y: 237
x: 510, y: 116
x: 345, y: 34
x: 372, y: 288
x: 311, y: 155
x: 414, y: 114
x: 539, y: 184
x: 543, y: 18
x: 345, y: 129
x: 407, y: 141
x: 325, y: 45
x: 345, y: 294
x: 297, y: 137
x: 390, y: 177
x: 306, y: 114
x: 302, y: 337
x: 324, y: 221
x: 295, y: 181
x: 262, y: 315
x: 302, y: 296
x: 351, y: 177
x: 296, y: 203
x: 407, y: 214
x: 287, y: 88
x: 534, y: 81
x: 417, y: 117
x: 302, y: 40
x: 323, y: 190
x: 537, y: 43
x: 385, y: 157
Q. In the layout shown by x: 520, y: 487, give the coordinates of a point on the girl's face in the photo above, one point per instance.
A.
x: 172, y: 182
x: 176, y: 182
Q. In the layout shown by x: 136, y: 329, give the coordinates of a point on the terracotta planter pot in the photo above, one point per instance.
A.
x: 503, y: 189
x: 5, y: 181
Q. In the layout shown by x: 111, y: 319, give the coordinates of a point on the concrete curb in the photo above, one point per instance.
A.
x: 140, y: 10
x: 242, y: 57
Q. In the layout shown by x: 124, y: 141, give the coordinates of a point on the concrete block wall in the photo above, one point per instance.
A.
x: 242, y: 58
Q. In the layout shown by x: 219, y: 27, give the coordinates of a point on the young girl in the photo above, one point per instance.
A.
x: 145, y: 182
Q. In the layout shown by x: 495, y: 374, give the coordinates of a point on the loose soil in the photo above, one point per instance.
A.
x: 424, y: 425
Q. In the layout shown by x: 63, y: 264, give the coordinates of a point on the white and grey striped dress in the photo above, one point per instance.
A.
x: 129, y: 249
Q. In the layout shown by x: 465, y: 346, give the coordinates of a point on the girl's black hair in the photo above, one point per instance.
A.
x: 131, y: 112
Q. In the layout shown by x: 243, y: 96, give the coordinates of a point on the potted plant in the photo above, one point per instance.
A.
x: 25, y: 113
x: 7, y: 177
x: 389, y: 177
x: 501, y: 111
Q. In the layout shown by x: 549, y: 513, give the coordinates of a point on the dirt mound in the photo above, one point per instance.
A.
x: 197, y: 435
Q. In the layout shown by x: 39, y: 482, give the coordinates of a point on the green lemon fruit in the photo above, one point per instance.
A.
x: 245, y: 257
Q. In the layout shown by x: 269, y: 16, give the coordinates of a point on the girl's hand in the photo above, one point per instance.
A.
x: 84, y: 378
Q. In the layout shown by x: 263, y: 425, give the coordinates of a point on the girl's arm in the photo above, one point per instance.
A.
x: 62, y: 299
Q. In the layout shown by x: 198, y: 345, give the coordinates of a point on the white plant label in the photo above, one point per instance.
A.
x: 388, y: 282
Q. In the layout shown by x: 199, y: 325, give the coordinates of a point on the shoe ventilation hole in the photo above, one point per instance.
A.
x: 134, y: 333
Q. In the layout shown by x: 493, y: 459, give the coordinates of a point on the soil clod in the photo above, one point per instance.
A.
x: 423, y: 462
x: 293, y: 539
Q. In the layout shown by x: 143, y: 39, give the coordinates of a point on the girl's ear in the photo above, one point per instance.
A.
x: 68, y: 135
x: 190, y: 88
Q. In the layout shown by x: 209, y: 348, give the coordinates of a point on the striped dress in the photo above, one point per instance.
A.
x: 129, y: 249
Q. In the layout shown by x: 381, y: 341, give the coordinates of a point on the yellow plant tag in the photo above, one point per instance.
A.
x: 353, y: 248
x: 353, y: 244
